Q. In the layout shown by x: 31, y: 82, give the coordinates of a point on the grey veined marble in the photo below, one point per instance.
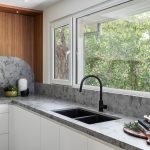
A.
x: 12, y: 69
x: 118, y: 103
x: 109, y: 131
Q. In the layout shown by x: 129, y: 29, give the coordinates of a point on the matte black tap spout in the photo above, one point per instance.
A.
x: 101, y: 105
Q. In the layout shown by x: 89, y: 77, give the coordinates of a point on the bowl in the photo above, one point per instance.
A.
x: 11, y: 93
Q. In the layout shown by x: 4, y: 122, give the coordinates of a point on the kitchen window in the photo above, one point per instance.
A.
x: 114, y: 44
x: 61, y: 51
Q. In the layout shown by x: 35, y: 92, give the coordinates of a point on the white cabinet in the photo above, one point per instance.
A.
x: 29, y: 131
x: 3, y: 119
x: 49, y: 135
x: 4, y: 123
x: 71, y: 140
x: 25, y: 130
x: 3, y: 108
x: 3, y: 127
x: 4, y: 142
x: 100, y: 145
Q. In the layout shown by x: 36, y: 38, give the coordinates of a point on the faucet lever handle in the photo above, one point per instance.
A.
x: 105, y: 106
x: 102, y: 106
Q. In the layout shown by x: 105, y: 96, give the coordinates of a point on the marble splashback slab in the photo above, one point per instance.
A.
x: 117, y: 103
x: 12, y: 69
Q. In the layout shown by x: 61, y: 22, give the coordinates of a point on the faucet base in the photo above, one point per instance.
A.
x: 102, y: 106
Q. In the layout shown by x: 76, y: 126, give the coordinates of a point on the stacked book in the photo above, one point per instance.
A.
x: 145, y: 122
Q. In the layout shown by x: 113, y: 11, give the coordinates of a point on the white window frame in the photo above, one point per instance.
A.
x: 104, y: 7
x: 72, y: 19
x: 53, y: 26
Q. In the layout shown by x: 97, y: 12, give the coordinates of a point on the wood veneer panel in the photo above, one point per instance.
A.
x: 38, y: 47
x: 22, y: 36
x: 17, y: 36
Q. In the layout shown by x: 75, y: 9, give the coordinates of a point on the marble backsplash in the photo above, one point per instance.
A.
x: 12, y: 69
x: 117, y: 103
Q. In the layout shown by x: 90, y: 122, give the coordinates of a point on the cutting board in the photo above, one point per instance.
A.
x: 136, y: 134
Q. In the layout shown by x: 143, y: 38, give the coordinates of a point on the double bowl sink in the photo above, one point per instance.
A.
x: 84, y: 115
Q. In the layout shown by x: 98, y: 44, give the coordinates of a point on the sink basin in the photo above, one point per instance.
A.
x: 74, y: 113
x: 85, y: 116
x: 96, y: 119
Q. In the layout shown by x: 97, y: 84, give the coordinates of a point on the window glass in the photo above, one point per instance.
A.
x: 115, y: 46
x: 61, y: 52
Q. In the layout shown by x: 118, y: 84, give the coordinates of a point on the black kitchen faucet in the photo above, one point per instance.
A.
x: 101, y: 105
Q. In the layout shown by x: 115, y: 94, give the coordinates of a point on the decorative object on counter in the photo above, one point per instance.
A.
x: 133, y: 133
x: 11, y: 91
x: 23, y: 87
x: 134, y: 129
x: 22, y: 84
x: 134, y: 126
x: 24, y: 93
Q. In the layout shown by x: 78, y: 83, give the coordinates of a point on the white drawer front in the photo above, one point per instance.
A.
x: 4, y: 142
x: 3, y: 123
x: 3, y: 108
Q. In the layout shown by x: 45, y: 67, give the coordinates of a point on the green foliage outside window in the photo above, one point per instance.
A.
x: 119, y: 53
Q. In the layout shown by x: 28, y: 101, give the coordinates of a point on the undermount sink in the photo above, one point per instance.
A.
x: 85, y: 116
x: 74, y: 113
x: 95, y: 119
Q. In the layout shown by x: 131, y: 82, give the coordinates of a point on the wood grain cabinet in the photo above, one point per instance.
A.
x: 3, y: 127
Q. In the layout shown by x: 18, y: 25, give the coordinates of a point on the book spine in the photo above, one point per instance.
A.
x: 144, y: 124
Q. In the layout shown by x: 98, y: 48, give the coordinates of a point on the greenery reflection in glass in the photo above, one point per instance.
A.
x: 119, y: 52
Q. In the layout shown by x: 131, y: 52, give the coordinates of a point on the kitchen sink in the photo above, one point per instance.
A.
x: 74, y: 113
x: 85, y: 116
x: 96, y: 119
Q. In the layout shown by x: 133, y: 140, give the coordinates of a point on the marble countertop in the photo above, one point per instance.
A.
x: 110, y: 131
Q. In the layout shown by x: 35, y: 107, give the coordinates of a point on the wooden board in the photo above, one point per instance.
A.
x: 136, y: 134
